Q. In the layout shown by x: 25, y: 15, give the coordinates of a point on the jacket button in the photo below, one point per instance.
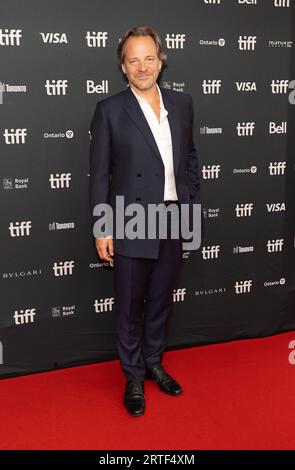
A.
x: 139, y: 174
x: 138, y: 198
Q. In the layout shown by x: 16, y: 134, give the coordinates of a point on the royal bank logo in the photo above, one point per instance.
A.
x: 211, y: 213
x: 211, y: 87
x: 24, y: 316
x: 63, y: 268
x: 60, y: 180
x: 10, y: 37
x: 175, y: 40
x: 63, y: 311
x: 15, y: 136
x: 20, y: 229
x: 243, y: 287
x: 104, y: 305
x: 56, y: 87
x: 15, y: 183
x: 176, y: 86
x: 210, y: 172
x: 247, y: 43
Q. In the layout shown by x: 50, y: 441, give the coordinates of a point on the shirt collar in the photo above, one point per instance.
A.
x: 142, y: 100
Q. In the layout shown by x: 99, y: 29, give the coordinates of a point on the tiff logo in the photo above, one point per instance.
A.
x: 279, y: 86
x: 15, y: 136
x: 20, y: 229
x: 23, y: 317
x: 210, y: 171
x: 275, y: 245
x: 211, y: 87
x: 56, y: 87
x: 104, y: 305
x: 175, y: 41
x: 178, y: 294
x: 245, y: 128
x: 210, y: 252
x: 96, y: 38
x: 59, y: 181
x: 277, y: 168
x: 247, y: 43
x: 10, y: 37
x: 243, y: 287
x: 244, y: 210
x: 281, y: 3
x: 63, y: 268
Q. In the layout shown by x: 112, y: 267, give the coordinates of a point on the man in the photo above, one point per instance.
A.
x: 142, y: 149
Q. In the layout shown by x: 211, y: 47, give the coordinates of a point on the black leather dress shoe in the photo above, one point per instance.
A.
x: 134, y: 399
x: 165, y: 382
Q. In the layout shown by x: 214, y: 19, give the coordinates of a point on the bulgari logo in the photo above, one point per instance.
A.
x: 22, y: 274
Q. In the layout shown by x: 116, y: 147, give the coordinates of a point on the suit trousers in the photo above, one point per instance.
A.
x: 143, y: 304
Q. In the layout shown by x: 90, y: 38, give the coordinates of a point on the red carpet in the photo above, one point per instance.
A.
x: 238, y: 395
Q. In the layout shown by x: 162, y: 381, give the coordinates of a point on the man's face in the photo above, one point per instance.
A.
x: 141, y: 64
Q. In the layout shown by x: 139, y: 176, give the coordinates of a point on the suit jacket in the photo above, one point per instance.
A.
x: 125, y: 159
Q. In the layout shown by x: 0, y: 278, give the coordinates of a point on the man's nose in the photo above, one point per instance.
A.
x: 142, y: 66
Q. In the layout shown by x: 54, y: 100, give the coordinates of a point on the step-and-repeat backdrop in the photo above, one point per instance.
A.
x: 58, y: 58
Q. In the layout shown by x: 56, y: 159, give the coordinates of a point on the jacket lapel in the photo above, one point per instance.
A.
x: 136, y: 114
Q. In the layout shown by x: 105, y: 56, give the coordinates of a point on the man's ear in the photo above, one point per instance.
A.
x: 122, y: 66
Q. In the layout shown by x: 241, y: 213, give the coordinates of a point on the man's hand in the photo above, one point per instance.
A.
x: 105, y: 248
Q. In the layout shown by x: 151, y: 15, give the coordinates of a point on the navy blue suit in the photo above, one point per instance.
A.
x: 125, y: 161
x: 123, y: 146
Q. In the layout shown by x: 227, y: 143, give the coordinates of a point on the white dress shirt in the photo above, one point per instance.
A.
x: 162, y: 135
